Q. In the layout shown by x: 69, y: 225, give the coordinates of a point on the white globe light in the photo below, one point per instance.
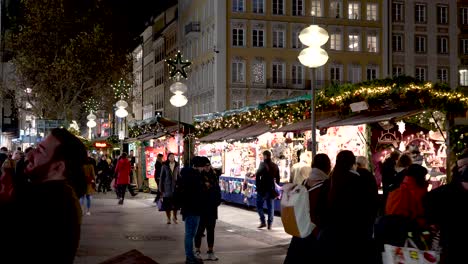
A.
x: 121, y: 112
x: 313, y: 57
x: 121, y: 104
x: 91, y: 116
x: 178, y: 100
x: 313, y: 36
x: 91, y: 123
x: 178, y: 88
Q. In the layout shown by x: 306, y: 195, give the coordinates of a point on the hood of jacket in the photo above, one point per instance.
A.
x: 316, y: 176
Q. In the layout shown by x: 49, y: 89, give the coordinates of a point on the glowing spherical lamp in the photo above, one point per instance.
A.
x: 313, y: 57
x: 178, y: 100
x: 121, y: 112
x: 313, y: 36
x: 178, y: 88
x: 91, y: 124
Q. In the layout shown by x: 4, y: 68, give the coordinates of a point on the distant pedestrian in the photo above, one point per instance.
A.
x: 157, y: 174
x: 191, y: 189
x: 3, y: 155
x: 266, y: 177
x: 88, y: 169
x: 170, y: 175
x: 401, y: 168
x: 211, y: 201
x: 103, y: 175
x: 122, y: 180
x: 388, y: 171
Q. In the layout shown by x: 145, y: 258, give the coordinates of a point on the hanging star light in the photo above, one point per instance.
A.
x: 178, y: 66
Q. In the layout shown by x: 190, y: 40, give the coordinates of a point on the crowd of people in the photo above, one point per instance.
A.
x: 353, y: 224
x: 40, y: 191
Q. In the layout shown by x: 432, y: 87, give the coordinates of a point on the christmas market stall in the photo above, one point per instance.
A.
x: 393, y: 115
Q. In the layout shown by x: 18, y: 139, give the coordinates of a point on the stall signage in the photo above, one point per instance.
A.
x: 359, y: 106
x: 100, y: 145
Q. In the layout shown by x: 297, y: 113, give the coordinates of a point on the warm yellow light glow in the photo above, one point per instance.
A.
x: 313, y: 36
x: 313, y: 57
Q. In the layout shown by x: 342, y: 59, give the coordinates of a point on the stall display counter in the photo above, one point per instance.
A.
x: 233, y: 191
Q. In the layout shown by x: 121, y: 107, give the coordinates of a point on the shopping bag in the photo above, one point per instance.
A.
x: 409, y: 254
x: 159, y: 203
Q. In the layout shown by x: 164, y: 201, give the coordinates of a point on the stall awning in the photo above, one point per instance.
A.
x: 248, y: 132
x: 358, y: 119
x: 218, y: 135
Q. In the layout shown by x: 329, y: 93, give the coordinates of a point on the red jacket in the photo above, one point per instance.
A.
x: 123, y: 171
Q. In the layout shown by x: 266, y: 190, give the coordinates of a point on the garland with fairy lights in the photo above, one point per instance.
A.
x: 399, y: 92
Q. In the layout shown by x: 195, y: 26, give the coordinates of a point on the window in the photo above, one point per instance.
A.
x: 420, y: 73
x: 257, y: 37
x: 371, y: 12
x: 442, y: 14
x: 297, y: 75
x: 397, y: 42
x: 442, y: 75
x: 354, y: 42
x: 420, y: 44
x: 354, y: 10
x: 296, y: 43
x: 371, y: 73
x: 464, y: 46
x: 463, y: 77
x: 464, y: 15
x: 278, y: 73
x: 278, y: 39
x: 442, y: 45
x: 335, y: 9
x: 335, y: 74
x: 258, y: 6
x: 372, y: 43
x: 237, y: 104
x: 258, y: 73
x: 316, y: 8
x: 420, y: 13
x: 238, y: 37
x: 278, y: 7
x: 238, y: 6
x: 398, y: 12
x: 298, y: 8
x: 336, y: 42
x: 397, y: 71
x: 354, y: 73
x: 238, y: 72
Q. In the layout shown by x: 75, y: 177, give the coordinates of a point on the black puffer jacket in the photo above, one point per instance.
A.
x: 189, y: 192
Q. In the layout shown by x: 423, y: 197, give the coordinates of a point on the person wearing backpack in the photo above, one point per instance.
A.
x: 300, y: 249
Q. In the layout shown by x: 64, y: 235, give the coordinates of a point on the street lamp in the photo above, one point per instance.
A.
x: 313, y: 56
x: 121, y: 113
x: 178, y: 100
x: 91, y: 123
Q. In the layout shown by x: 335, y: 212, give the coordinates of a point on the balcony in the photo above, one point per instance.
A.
x: 192, y: 29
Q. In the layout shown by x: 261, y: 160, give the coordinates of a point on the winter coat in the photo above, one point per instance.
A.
x: 103, y: 168
x: 299, y: 172
x: 266, y: 176
x: 168, y: 180
x: 316, y: 176
x: 123, y: 171
x: 445, y: 207
x: 211, y: 194
x: 407, y: 201
x: 190, y: 192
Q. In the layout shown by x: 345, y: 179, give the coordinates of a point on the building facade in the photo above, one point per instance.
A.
x: 246, y: 52
x: 424, y: 40
x: 462, y: 20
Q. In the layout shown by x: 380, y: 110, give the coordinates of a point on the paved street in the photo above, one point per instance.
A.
x: 112, y: 230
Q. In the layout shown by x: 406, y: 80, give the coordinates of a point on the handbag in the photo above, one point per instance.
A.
x: 409, y: 254
x: 160, y: 205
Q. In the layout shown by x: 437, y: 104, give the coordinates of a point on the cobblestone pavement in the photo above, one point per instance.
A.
x: 112, y: 229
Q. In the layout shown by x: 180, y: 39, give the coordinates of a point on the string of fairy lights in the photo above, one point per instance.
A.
x: 121, y: 89
x: 425, y: 96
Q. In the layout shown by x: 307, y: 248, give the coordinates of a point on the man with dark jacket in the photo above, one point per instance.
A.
x: 157, y: 174
x: 3, y: 155
x: 211, y: 201
x: 266, y: 176
x: 190, y: 192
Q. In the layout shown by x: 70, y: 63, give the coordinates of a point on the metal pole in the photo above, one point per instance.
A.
x: 178, y: 139
x: 312, y: 114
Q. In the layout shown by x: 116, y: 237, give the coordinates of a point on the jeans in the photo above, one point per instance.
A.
x: 88, y: 200
x: 208, y: 223
x: 269, y: 202
x: 191, y: 227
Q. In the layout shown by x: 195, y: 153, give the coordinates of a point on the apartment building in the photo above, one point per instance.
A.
x: 246, y: 52
x: 462, y: 20
x: 424, y: 36
x: 151, y: 86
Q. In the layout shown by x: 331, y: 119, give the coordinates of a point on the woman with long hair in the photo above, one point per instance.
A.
x: 350, y: 214
x: 170, y: 174
x: 88, y: 169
